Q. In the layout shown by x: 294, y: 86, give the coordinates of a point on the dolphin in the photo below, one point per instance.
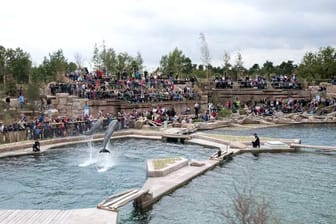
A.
x: 95, y: 126
x: 108, y: 133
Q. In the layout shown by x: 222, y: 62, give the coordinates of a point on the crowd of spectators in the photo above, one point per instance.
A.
x: 284, y: 82
x: 44, y: 127
x: 259, y: 82
x: 223, y: 82
x: 288, y: 105
x: 136, y: 88
x: 248, y: 82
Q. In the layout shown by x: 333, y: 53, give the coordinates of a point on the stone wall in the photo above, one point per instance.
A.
x: 70, y: 106
x: 244, y: 95
x: 73, y: 107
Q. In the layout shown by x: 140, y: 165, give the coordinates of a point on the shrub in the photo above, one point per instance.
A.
x: 224, y: 113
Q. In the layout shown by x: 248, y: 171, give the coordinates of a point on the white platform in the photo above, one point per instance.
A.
x: 276, y: 145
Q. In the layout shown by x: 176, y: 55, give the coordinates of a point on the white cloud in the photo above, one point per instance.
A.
x: 260, y: 29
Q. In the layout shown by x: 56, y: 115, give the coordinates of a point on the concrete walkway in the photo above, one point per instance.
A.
x: 160, y: 186
x: 76, y: 216
x: 15, y: 149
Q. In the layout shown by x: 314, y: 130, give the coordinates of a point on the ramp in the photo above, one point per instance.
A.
x: 114, y: 202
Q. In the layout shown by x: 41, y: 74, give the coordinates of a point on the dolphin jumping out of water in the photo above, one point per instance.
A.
x: 108, y: 133
x: 95, y: 126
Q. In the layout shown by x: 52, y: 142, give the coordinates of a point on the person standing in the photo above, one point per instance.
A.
x: 86, y: 113
x: 21, y: 101
x: 196, y: 108
x: 42, y: 108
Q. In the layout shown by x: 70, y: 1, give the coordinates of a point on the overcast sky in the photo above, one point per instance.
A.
x: 259, y: 29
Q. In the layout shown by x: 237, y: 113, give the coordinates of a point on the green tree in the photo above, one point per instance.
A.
x: 18, y: 65
x: 54, y: 67
x: 71, y: 67
x: 176, y: 63
x: 96, y: 59
x: 268, y: 69
x: 123, y: 62
x: 15, y: 65
x: 186, y: 66
x: 309, y: 67
x: 255, y: 69
x: 286, y: 68
x: 319, y: 65
x: 109, y: 60
x: 37, y: 74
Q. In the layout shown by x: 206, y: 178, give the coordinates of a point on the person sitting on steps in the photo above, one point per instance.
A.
x: 256, y: 142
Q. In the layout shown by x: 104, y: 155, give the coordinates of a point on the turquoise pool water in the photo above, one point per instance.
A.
x: 65, y: 178
x: 300, y: 187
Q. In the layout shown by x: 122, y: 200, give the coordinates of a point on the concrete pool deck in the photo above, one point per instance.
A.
x: 73, y: 216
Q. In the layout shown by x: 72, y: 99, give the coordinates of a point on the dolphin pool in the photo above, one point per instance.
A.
x: 76, y: 177
x: 300, y: 187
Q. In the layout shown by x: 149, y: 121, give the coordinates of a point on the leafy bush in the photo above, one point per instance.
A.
x: 224, y: 113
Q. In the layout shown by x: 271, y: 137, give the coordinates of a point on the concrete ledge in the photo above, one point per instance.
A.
x: 276, y: 145
x: 169, y: 168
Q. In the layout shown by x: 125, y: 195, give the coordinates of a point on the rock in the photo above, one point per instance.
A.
x: 139, y: 124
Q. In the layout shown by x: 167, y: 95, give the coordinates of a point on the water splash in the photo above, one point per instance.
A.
x: 91, y: 159
x: 105, y: 162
